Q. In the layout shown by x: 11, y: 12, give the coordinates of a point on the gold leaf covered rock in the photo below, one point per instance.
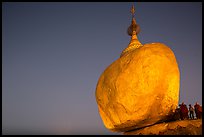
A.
x: 140, y: 88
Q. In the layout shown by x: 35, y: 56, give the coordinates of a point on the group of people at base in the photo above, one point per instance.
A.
x: 184, y: 112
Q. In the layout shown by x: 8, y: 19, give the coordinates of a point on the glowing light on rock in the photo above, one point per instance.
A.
x: 140, y: 88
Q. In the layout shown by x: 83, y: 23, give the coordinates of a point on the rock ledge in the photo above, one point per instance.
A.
x: 180, y: 127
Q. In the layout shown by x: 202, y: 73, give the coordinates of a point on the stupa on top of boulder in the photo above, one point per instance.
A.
x: 141, y: 87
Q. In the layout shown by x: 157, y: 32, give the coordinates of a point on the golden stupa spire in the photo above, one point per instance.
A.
x: 133, y: 26
x: 133, y: 30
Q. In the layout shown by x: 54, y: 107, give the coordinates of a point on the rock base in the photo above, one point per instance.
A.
x: 180, y: 127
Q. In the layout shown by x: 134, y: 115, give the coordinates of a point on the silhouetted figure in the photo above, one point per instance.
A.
x: 179, y: 110
x: 198, y: 110
x: 177, y: 114
x: 183, y: 111
x: 191, y: 112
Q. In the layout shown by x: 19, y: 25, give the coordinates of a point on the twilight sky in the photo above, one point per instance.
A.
x: 54, y: 53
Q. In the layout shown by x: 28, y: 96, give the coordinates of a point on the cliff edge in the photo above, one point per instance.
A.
x: 179, y: 127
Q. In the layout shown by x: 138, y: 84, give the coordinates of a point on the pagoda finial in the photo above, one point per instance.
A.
x: 134, y: 26
x: 133, y: 10
x: 133, y: 30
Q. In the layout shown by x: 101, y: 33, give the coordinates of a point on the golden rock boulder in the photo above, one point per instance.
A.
x: 139, y: 89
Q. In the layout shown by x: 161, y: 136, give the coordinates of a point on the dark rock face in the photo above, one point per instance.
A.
x: 180, y: 127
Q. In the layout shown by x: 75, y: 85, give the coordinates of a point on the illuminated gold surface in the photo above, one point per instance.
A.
x: 138, y: 89
x: 134, y: 43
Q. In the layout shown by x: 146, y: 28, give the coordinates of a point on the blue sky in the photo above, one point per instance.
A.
x: 54, y: 53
